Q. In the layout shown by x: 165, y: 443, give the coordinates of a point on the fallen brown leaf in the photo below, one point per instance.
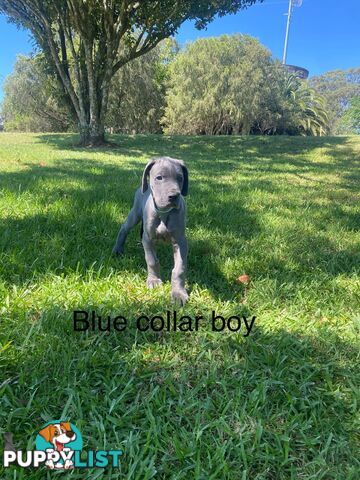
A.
x: 245, y: 279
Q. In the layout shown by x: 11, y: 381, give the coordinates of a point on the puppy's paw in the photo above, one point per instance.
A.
x: 118, y: 251
x: 153, y: 282
x: 179, y: 296
x: 50, y: 464
x: 68, y: 465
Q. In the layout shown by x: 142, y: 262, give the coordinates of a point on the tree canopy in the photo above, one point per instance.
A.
x: 350, y: 121
x: 87, y: 41
x: 338, y: 87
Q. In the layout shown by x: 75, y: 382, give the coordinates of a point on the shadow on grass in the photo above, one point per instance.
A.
x: 75, y: 222
x: 82, y: 202
x: 276, y: 402
x: 77, y: 219
x: 222, y: 154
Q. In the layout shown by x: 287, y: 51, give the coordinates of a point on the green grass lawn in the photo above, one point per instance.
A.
x: 278, y: 404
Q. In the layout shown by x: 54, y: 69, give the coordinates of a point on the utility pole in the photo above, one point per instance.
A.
x: 292, y: 3
x: 287, y: 32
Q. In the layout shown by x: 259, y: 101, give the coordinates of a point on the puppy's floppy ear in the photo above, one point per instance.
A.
x: 185, y: 186
x: 144, y: 185
x: 47, y: 432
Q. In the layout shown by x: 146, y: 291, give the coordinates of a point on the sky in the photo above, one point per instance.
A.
x: 324, y: 34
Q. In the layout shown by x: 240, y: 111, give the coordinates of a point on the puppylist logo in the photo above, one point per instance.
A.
x: 58, y: 445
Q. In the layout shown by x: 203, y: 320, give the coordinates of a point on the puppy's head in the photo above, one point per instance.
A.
x: 168, y: 179
x: 58, y: 434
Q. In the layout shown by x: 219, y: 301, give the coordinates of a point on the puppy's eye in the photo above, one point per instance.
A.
x: 159, y: 177
x: 56, y: 434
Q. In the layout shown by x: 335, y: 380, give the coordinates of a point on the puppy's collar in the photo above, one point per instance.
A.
x: 161, y: 210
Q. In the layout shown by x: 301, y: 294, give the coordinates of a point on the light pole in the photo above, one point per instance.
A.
x: 292, y: 3
x: 287, y: 32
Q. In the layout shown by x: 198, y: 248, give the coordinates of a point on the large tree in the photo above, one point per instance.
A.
x: 87, y: 41
x: 33, y: 99
x: 338, y: 87
x: 350, y: 121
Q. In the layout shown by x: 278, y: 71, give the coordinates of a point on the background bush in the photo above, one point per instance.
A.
x: 33, y: 100
x: 232, y: 85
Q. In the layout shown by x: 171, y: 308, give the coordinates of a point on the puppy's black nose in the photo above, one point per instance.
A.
x: 70, y: 434
x: 174, y: 197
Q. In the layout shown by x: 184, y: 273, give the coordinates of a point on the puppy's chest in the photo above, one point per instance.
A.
x: 162, y: 231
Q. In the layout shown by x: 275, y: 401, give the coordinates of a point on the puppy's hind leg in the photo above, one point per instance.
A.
x: 133, y: 219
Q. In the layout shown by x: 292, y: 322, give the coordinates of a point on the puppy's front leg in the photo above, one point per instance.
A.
x: 178, y: 292
x: 153, y: 265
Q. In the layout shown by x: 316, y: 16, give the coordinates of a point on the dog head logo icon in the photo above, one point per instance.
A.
x: 58, y: 434
x: 59, y: 439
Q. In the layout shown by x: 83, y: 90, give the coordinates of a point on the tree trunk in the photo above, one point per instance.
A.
x: 92, y: 135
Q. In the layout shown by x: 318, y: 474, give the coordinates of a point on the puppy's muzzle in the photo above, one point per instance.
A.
x: 174, y: 197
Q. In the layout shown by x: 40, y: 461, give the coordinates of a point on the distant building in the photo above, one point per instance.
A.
x: 298, y: 71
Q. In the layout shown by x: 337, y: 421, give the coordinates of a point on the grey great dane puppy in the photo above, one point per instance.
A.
x: 160, y: 205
